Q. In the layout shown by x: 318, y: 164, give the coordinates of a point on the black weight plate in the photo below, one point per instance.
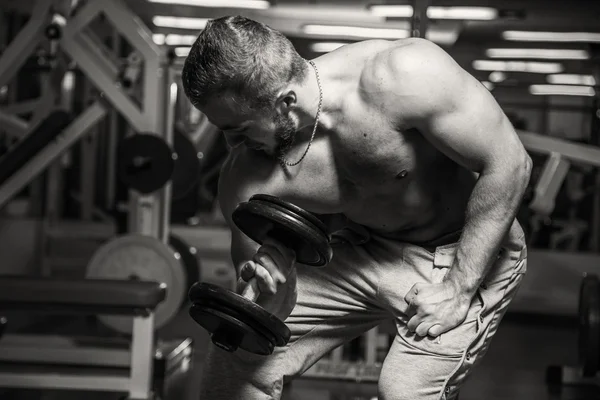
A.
x: 214, y: 304
x: 212, y: 319
x: 188, y: 259
x: 253, y: 314
x: 145, y: 162
x: 186, y: 171
x: 294, y: 209
x: 318, y: 240
x: 259, y: 220
x: 589, y: 325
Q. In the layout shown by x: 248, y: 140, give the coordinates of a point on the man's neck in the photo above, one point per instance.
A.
x: 310, y: 95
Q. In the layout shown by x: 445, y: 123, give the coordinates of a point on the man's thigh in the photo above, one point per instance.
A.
x: 434, y: 368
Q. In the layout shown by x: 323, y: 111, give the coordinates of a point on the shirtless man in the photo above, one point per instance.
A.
x: 423, y: 166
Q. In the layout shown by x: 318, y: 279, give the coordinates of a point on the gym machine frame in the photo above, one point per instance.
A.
x: 149, y: 213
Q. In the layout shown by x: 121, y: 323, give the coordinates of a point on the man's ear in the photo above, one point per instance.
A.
x: 286, y: 101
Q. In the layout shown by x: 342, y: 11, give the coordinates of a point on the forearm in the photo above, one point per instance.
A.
x: 491, y: 211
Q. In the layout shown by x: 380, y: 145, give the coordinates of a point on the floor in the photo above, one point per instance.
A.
x: 514, y: 369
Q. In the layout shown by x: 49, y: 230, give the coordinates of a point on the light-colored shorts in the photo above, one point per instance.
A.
x: 364, y: 285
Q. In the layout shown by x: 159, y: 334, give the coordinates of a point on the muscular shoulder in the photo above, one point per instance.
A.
x: 406, y: 68
x: 407, y: 58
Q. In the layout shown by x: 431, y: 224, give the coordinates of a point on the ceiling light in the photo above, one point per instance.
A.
x: 356, y: 32
x: 173, y: 39
x: 536, y: 36
x: 158, y: 38
x: 518, y: 66
x: 326, y: 47
x: 561, y: 90
x: 571, y: 79
x: 550, y: 54
x: 252, y: 4
x: 393, y: 11
x: 467, y: 13
x: 180, y: 22
x: 497, y: 76
x: 406, y: 11
x: 182, y: 51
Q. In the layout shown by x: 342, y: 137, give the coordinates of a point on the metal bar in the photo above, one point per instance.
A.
x: 372, y: 339
x: 577, y: 153
x: 41, y: 349
x: 46, y: 156
x: 84, y: 16
x: 419, y: 20
x: 88, y: 63
x: 23, y: 107
x: 88, y: 174
x: 547, y: 187
x: 110, y: 65
x: 165, y: 193
x: 54, y: 380
x: 132, y: 28
x: 21, y: 47
x: 13, y: 125
x: 113, y: 135
x: 142, y: 366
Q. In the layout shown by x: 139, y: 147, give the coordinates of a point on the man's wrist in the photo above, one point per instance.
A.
x: 462, y: 288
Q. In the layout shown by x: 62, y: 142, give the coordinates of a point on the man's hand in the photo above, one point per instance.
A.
x: 435, y: 308
x: 273, y: 269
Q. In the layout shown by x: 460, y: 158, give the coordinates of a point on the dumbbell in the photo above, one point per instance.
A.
x: 235, y: 321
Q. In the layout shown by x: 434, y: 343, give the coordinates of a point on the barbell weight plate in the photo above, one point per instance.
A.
x: 213, y: 296
x: 293, y: 208
x: 589, y: 325
x: 260, y: 220
x: 186, y: 170
x: 145, y: 162
x: 142, y: 258
x: 188, y: 257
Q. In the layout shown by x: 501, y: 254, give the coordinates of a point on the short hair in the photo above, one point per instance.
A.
x: 246, y: 58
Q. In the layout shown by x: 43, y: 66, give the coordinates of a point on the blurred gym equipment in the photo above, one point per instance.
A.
x: 136, y: 282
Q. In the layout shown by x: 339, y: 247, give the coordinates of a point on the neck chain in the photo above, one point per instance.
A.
x: 289, y: 164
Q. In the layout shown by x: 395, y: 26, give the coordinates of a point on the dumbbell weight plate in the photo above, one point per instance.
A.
x: 260, y: 219
x: 589, y: 325
x: 213, y: 305
x: 293, y: 208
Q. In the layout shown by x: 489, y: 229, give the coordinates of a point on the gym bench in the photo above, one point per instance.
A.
x: 95, y: 364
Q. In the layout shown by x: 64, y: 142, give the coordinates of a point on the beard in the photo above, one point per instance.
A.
x: 285, y: 133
